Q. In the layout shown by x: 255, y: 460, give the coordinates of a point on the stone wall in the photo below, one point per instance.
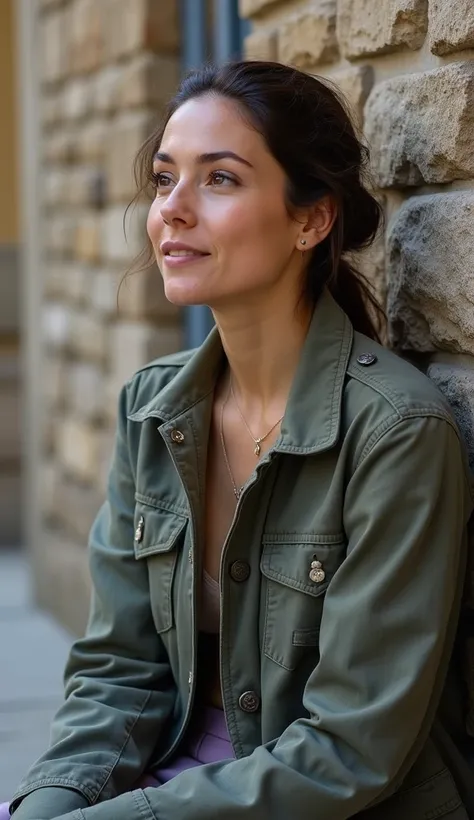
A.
x: 107, y: 68
x: 407, y: 69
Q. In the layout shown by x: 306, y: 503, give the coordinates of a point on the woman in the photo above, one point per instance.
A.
x: 278, y: 566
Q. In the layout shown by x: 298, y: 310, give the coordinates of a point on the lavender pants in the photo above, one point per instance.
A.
x: 207, y: 742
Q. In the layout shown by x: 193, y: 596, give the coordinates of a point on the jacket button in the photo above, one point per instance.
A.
x: 367, y: 359
x: 239, y: 571
x: 249, y: 702
x: 177, y: 436
x: 140, y: 530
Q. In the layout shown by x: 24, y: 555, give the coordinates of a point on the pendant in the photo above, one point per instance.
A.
x: 258, y: 449
x: 317, y: 574
x: 237, y: 492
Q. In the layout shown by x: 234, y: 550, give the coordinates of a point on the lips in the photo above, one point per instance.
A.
x: 179, y: 249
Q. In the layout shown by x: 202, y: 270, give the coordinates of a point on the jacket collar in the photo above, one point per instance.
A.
x: 312, y: 419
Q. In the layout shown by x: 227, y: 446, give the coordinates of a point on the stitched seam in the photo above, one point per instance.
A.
x: 161, y: 505
x: 379, y: 387
x: 54, y: 781
x: 143, y: 805
x: 159, y: 548
x: 379, y: 431
x: 306, y: 538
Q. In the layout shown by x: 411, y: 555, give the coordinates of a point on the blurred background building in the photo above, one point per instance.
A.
x: 82, y: 84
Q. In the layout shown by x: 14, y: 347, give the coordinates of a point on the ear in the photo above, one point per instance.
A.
x: 316, y: 223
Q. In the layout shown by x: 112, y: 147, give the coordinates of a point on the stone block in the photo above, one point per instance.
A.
x: 309, y: 38
x: 53, y: 46
x: 54, y: 383
x: 88, y: 239
x: 78, y: 98
x: 143, y: 25
x: 451, y: 26
x: 92, y: 141
x: 56, y: 325
x: 148, y: 80
x: 54, y: 280
x: 356, y: 84
x: 86, y: 187
x: 370, y: 27
x: 457, y: 384
x: 420, y: 127
x: 85, y: 390
x: 124, y: 140
x: 77, y: 449
x: 55, y: 187
x: 431, y: 288
x: 133, y: 344
x: 59, y: 230
x: 261, y: 45
x: 88, y: 336
x: 60, y: 145
x: 124, y: 236
x: 141, y: 295
x: 87, y: 36
x: 104, y: 291
x: 106, y: 89
x: 74, y: 506
x: 251, y: 8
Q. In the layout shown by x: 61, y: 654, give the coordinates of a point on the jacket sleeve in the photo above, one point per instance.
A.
x: 386, y: 637
x: 118, y: 685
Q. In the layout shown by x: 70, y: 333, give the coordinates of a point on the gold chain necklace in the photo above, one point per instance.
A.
x: 237, y: 490
x: 256, y: 441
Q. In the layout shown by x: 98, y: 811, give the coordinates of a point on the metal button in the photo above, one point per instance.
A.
x: 177, y: 436
x: 367, y: 359
x: 239, y: 571
x: 249, y: 702
x: 140, y: 530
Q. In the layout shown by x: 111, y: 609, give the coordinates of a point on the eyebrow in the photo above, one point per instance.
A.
x: 204, y: 159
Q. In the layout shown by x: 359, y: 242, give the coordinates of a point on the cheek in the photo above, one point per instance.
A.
x: 154, y: 223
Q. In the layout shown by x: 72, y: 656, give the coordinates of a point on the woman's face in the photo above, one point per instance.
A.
x: 219, y: 225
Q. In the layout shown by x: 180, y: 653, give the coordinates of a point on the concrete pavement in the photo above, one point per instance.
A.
x: 33, y: 651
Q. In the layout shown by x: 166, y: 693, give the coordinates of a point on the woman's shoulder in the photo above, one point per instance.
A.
x: 383, y: 384
x: 147, y: 382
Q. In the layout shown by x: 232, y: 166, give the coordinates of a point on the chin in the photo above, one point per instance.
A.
x: 184, y: 295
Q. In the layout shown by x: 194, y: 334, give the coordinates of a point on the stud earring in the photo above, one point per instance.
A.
x: 303, y: 241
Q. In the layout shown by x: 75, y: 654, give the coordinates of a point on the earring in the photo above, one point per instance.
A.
x: 303, y: 241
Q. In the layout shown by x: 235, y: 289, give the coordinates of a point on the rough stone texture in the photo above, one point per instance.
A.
x: 261, y: 45
x: 356, y: 84
x: 420, y: 127
x: 147, y: 81
x: 457, y: 383
x: 369, y: 27
x: 309, y: 38
x: 124, y: 140
x: 249, y: 8
x: 451, y: 26
x: 431, y: 282
x: 77, y: 449
x: 143, y: 24
x: 85, y: 390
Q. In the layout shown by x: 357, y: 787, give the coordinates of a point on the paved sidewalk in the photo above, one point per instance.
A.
x: 33, y: 651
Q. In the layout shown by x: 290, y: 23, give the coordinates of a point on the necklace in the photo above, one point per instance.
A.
x: 237, y: 490
x: 256, y: 441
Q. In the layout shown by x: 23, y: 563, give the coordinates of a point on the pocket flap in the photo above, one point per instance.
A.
x: 289, y: 560
x: 156, y: 530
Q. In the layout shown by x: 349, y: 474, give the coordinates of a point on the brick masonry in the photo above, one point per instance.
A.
x: 106, y: 70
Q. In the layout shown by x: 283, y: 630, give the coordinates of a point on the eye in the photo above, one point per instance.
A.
x: 161, y: 181
x: 220, y: 178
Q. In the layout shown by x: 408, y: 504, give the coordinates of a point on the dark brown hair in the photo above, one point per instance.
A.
x: 308, y: 130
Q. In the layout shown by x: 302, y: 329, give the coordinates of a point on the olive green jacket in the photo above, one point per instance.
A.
x: 332, y: 681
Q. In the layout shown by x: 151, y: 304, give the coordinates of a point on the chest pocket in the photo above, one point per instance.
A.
x: 159, y: 534
x: 298, y: 568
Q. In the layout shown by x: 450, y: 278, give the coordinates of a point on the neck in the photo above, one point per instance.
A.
x: 263, y: 349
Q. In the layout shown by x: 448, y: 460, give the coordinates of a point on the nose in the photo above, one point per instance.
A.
x: 178, y: 207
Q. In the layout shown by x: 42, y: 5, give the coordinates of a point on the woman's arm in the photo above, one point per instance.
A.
x: 118, y: 685
x: 386, y: 636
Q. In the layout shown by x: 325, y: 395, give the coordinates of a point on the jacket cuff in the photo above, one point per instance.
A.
x: 127, y: 806
x: 49, y: 802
